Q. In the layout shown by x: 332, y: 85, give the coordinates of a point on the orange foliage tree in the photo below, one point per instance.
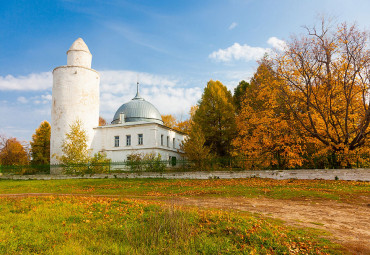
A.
x: 102, y: 121
x: 267, y: 134
x: 325, y: 84
x: 169, y: 121
x: 185, y: 125
x: 13, y: 153
x: 182, y: 126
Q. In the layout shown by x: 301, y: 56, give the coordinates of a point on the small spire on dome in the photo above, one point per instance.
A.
x: 79, y: 45
x: 137, y: 92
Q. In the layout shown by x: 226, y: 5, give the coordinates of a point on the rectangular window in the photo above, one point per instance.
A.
x: 168, y: 141
x: 128, y: 140
x: 140, y: 139
x: 174, y: 144
x: 162, y: 140
x: 116, y: 141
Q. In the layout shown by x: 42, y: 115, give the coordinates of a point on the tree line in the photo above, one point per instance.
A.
x: 14, y: 152
x: 306, y: 105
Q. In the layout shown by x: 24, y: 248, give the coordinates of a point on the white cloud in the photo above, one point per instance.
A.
x: 246, y: 52
x: 239, y: 52
x: 233, y: 25
x: 46, y: 97
x: 231, y: 79
x: 277, y: 43
x: 42, y: 99
x: 34, y: 81
x: 120, y: 80
x: 168, y: 94
x: 22, y: 100
x: 165, y: 93
x: 39, y: 99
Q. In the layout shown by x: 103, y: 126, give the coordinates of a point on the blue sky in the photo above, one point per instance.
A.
x: 174, y: 47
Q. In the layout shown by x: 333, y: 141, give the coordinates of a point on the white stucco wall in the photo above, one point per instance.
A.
x: 79, y: 58
x: 75, y: 96
x: 104, y: 140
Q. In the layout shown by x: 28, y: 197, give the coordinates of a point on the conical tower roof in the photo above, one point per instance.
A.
x: 79, y: 45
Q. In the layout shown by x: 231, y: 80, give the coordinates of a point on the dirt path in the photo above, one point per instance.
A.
x: 349, y: 223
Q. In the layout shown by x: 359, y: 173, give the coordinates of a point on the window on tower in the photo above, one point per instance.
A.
x: 173, y: 142
x: 168, y: 141
x: 162, y: 140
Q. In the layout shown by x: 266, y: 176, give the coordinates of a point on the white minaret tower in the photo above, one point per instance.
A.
x: 75, y: 96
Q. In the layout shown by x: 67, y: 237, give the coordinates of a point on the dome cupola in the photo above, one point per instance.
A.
x: 137, y: 110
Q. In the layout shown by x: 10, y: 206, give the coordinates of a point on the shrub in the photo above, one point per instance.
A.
x: 99, y: 163
x: 146, y: 162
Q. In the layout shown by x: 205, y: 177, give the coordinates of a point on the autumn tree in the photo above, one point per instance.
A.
x: 77, y: 157
x: 169, y: 121
x: 74, y: 147
x: 216, y: 118
x: 239, y: 94
x: 325, y: 83
x: 185, y: 125
x: 194, y: 146
x: 267, y: 134
x: 40, y: 145
x: 182, y: 125
x: 13, y: 153
x: 102, y: 121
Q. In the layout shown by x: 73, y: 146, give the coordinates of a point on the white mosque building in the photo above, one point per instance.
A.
x: 137, y: 126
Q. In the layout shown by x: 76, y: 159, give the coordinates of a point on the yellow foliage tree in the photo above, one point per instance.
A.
x: 194, y: 146
x: 325, y: 83
x: 40, y: 145
x: 182, y: 126
x: 76, y: 156
x: 169, y: 121
x: 185, y: 125
x: 267, y: 134
x: 75, y: 150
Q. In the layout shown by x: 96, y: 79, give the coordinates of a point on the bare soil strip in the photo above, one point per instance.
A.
x: 348, y: 223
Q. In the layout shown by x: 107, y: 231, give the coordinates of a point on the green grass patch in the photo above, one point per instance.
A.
x: 101, y: 225
x: 252, y: 187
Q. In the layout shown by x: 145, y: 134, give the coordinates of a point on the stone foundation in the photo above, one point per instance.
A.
x: 362, y: 174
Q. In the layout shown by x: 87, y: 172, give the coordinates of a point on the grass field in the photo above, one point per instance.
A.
x: 138, y: 221
x: 251, y: 187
